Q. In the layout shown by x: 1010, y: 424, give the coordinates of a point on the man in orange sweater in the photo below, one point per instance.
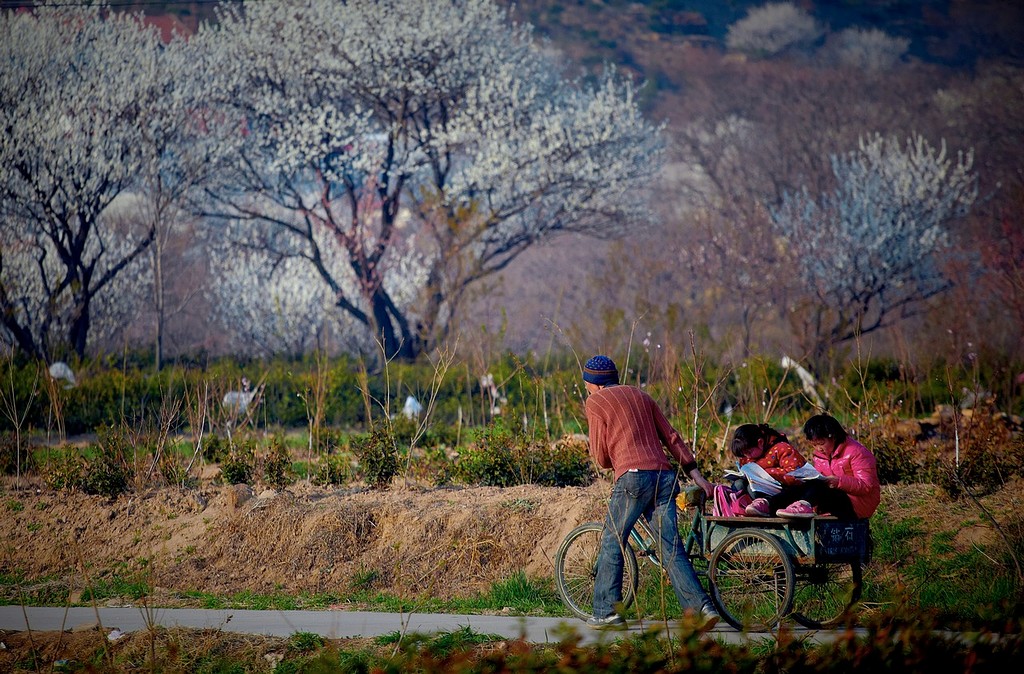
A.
x: 630, y: 434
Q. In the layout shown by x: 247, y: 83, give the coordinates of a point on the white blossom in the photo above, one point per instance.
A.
x: 869, y: 251
x: 84, y: 94
x: 772, y: 29
x: 871, y: 49
x: 364, y: 112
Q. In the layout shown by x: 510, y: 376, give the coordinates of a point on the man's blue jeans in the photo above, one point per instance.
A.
x: 651, y: 493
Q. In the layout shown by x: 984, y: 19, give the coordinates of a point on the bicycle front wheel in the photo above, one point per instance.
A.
x: 751, y: 580
x: 576, y: 568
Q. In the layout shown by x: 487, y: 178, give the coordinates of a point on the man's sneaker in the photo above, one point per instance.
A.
x: 612, y: 622
x: 709, y: 617
x: 798, y: 509
x: 758, y: 508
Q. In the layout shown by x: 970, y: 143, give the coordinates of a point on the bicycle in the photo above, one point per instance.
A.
x: 757, y: 571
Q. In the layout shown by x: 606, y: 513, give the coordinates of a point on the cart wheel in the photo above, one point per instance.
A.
x: 751, y: 579
x: 576, y: 568
x: 826, y: 594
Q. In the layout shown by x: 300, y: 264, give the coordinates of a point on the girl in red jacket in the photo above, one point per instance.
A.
x: 770, y: 449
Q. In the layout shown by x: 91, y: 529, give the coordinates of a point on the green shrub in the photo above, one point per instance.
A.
x: 64, y: 469
x: 109, y: 472
x: 377, y: 457
x: 504, y: 456
x: 489, y: 466
x: 240, y: 464
x: 277, y: 465
x: 106, y: 478
x: 304, y: 642
x: 332, y: 469
x: 491, y: 459
x: 565, y: 464
x: 215, y: 448
x: 12, y: 457
x: 896, y: 461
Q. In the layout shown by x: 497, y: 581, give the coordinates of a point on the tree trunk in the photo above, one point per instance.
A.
x: 78, y: 335
x: 392, y: 328
x: 158, y: 291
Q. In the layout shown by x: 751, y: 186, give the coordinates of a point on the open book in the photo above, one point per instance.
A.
x: 807, y: 472
x: 758, y: 479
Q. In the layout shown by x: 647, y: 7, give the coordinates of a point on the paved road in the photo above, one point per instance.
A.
x: 330, y: 624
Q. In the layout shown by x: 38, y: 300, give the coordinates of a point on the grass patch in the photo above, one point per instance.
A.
x: 518, y: 593
x: 116, y: 586
x: 17, y: 589
x: 304, y: 642
x: 441, y: 644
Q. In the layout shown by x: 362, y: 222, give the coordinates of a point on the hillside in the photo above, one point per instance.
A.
x: 637, y: 34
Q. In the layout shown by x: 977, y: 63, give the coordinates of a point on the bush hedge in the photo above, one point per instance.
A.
x: 472, y: 434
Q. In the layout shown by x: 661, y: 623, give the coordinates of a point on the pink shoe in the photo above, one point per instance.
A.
x: 798, y: 509
x: 758, y: 508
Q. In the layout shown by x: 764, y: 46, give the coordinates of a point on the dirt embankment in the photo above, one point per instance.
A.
x: 406, y: 541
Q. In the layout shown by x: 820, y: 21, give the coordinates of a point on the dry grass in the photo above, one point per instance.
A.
x: 165, y: 650
x: 226, y: 540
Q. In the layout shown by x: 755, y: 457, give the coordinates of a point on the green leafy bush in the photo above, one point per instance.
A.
x: 490, y: 460
x: 239, y: 467
x: 332, y: 469
x: 106, y: 478
x: 215, y: 448
x: 64, y: 468
x: 304, y: 642
x: 377, y: 457
x: 896, y: 461
x: 504, y: 456
x: 565, y: 464
x: 277, y: 465
x: 109, y: 472
x: 12, y: 457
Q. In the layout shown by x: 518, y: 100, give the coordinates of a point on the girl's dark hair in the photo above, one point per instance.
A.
x: 747, y: 435
x: 823, y: 427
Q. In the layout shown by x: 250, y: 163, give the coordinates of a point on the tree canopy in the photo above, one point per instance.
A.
x: 373, y: 124
x: 871, y: 250
x: 84, y: 101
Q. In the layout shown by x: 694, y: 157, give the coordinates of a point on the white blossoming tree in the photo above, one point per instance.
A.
x: 83, y: 97
x: 773, y: 29
x: 867, y: 49
x: 273, y: 303
x: 373, y: 124
x: 869, y: 252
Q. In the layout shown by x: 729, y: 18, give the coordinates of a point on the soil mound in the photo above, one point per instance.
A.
x: 406, y: 541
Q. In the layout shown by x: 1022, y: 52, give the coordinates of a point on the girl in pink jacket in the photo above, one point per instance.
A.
x: 850, y: 489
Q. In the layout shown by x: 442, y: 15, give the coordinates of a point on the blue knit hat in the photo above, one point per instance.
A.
x: 601, y: 371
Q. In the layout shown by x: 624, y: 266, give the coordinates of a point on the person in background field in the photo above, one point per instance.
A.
x: 629, y: 434
x: 851, y: 489
x: 770, y: 449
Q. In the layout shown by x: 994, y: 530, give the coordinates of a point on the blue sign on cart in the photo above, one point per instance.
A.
x: 841, y: 541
